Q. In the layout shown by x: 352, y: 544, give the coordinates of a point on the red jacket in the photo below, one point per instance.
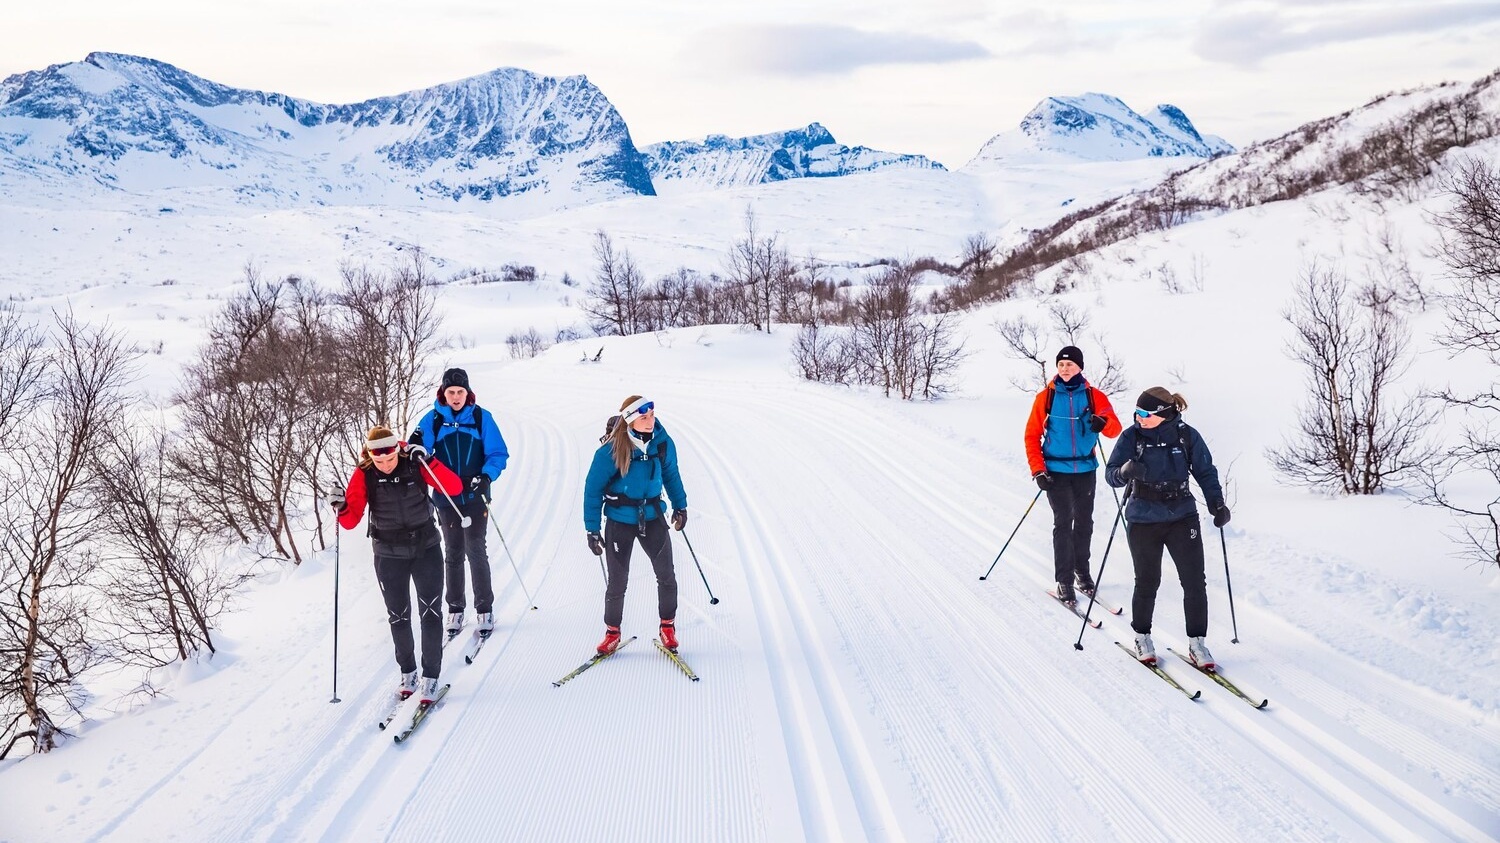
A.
x: 355, y: 495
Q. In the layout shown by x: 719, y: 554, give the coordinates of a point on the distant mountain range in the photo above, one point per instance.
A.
x: 140, y: 125
x: 1099, y: 127
x: 119, y: 123
x: 721, y: 161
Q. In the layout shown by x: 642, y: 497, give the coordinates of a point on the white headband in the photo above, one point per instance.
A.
x: 390, y: 441
x: 635, y: 410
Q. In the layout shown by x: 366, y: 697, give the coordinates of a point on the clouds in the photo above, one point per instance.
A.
x: 1245, y: 36
x: 819, y: 49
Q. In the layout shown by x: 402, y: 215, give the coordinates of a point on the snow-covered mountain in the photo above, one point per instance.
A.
x: 1099, y: 127
x: 139, y: 125
x: 811, y: 152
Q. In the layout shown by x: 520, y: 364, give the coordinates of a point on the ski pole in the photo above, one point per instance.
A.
x: 1103, y: 460
x: 711, y: 598
x: 336, y: 533
x: 512, y: 559
x: 1119, y: 518
x: 1012, y: 534
x: 1223, y: 545
x: 463, y: 520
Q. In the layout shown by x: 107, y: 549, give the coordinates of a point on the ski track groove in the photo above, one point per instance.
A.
x: 857, y: 765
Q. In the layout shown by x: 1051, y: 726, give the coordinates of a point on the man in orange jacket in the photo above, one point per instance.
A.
x: 1062, y: 432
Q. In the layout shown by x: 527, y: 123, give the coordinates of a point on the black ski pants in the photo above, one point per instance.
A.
x: 459, y: 542
x: 1072, y: 500
x: 619, y: 542
x: 397, y: 574
x: 1184, y: 540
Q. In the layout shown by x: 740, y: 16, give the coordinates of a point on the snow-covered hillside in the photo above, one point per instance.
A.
x: 718, y: 161
x: 141, y: 126
x: 859, y: 682
x: 1097, y: 127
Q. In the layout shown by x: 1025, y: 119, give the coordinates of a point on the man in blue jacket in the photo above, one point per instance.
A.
x: 465, y: 438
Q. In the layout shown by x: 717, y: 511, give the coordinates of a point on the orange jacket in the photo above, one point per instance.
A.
x: 1036, y: 423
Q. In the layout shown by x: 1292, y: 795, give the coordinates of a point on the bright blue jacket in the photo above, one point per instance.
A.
x: 649, y: 474
x: 1170, y: 453
x: 464, y: 443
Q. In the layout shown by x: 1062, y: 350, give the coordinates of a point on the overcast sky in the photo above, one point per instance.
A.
x: 936, y: 78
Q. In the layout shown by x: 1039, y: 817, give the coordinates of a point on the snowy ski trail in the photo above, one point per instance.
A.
x: 858, y: 681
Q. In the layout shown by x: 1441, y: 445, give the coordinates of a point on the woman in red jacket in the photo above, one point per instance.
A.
x: 392, y: 477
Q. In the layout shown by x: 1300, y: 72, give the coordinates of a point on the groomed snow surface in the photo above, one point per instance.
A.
x: 859, y: 682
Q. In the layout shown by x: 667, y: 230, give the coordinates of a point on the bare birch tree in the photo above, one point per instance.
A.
x: 46, y: 561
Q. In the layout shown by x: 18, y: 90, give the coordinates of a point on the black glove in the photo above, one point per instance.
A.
x: 1131, y: 470
x: 1221, y: 515
x: 596, y: 544
x: 1043, y: 480
x: 480, y: 485
x: 679, y: 519
x: 416, y: 451
x: 1096, y: 423
x: 336, y: 500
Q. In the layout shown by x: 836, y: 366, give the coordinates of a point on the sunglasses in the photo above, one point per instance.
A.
x: 632, y: 415
x: 384, y: 452
x: 1141, y: 414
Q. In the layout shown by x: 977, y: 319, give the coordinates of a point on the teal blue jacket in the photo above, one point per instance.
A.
x: 649, y: 474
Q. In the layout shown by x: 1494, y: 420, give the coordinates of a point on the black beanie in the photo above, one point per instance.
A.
x: 1070, y: 352
x: 455, y: 377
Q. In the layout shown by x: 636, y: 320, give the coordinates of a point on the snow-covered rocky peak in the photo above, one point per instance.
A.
x: 140, y: 125
x: 1098, y: 127
x: 720, y: 161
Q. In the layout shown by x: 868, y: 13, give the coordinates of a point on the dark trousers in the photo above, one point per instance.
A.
x: 459, y: 542
x: 619, y: 541
x: 1184, y: 540
x: 396, y: 575
x: 1072, y: 500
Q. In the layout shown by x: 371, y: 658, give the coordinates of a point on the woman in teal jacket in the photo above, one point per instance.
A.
x: 636, y: 461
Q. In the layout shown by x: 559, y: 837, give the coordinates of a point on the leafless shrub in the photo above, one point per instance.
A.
x: 389, y: 326
x: 264, y: 408
x: 22, y: 359
x: 46, y: 521
x: 527, y: 344
x: 614, y: 302
x: 823, y: 354
x: 1025, y: 340
x: 891, y: 343
x: 164, y: 593
x: 978, y: 256
x: 1348, y: 439
x: 1029, y: 341
x: 761, y: 266
x: 1470, y: 249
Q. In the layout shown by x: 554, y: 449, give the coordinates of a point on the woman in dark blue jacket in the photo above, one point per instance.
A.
x: 636, y: 461
x: 1154, y: 457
